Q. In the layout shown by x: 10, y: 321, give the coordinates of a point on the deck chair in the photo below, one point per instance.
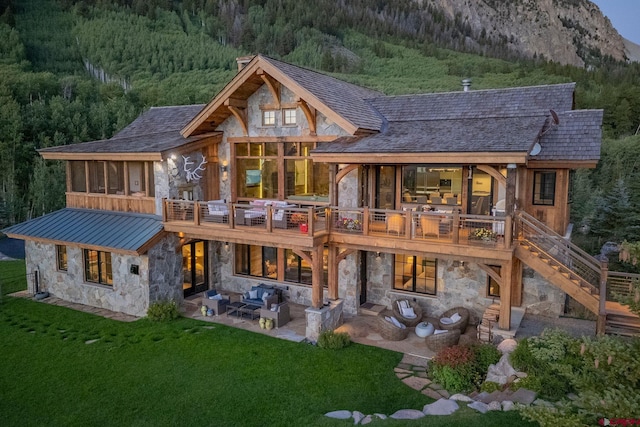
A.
x: 395, y: 224
x: 429, y: 226
x: 436, y: 200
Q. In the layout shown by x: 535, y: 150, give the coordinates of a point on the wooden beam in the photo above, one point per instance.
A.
x: 333, y: 272
x: 419, y: 157
x: 494, y: 173
x: 241, y: 116
x: 343, y: 255
x: 516, y: 283
x: 316, y: 278
x: 333, y: 184
x: 234, y: 102
x: 138, y: 157
x: 310, y: 114
x: 301, y: 138
x: 491, y: 273
x: 345, y: 171
x: 504, y: 322
x: 274, y: 88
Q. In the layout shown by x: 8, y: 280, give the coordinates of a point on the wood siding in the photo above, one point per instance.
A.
x: 146, y: 205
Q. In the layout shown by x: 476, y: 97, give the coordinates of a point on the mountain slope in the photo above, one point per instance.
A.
x: 571, y: 32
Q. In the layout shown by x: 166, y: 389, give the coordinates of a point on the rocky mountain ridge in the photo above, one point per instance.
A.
x: 571, y: 32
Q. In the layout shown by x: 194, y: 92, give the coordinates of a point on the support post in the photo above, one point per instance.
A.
x: 601, y: 323
x: 504, y: 322
x: 316, y: 278
x: 333, y: 273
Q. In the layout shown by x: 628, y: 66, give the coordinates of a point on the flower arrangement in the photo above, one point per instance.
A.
x: 350, y: 224
x: 483, y: 234
x: 299, y: 218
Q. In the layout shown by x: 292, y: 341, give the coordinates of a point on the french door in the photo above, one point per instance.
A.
x: 194, y: 268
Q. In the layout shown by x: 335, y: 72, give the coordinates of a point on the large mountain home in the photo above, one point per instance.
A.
x: 335, y: 194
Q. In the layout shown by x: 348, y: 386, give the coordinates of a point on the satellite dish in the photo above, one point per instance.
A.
x: 536, y: 149
x: 556, y: 119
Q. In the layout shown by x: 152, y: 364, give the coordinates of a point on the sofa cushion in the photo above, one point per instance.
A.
x: 253, y: 294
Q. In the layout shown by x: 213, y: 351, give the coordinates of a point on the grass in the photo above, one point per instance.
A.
x: 63, y: 367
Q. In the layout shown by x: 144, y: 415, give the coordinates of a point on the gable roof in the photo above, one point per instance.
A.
x: 338, y: 100
x: 122, y: 232
x: 156, y: 131
x: 495, y: 121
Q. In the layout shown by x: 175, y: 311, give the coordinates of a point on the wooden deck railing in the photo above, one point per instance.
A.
x: 308, y: 221
x: 450, y: 227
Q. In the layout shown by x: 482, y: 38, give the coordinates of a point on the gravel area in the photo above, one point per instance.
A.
x: 533, y: 325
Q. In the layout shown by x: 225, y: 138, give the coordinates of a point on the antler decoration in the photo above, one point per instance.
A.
x: 193, y: 175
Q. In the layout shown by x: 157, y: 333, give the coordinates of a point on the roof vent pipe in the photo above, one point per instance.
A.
x: 466, y: 84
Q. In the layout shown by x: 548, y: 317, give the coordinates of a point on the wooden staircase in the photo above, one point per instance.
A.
x: 575, y: 272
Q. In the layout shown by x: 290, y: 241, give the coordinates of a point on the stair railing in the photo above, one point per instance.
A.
x: 565, y: 253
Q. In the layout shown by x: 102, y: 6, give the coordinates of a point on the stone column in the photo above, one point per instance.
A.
x: 328, y: 317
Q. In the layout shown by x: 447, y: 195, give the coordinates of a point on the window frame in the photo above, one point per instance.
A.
x: 62, y: 258
x: 268, y: 118
x: 544, y: 187
x: 413, y: 274
x: 289, y: 116
x: 103, y: 264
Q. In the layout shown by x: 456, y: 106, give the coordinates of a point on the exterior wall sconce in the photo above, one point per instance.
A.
x: 226, y: 247
x: 224, y: 170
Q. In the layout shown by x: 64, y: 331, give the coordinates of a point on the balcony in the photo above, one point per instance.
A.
x: 448, y: 232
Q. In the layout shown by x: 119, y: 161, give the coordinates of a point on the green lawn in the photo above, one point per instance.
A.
x: 62, y: 367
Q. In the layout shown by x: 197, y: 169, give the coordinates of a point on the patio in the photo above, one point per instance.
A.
x: 362, y: 329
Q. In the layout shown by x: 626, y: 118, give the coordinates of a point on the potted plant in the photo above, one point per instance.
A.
x: 350, y: 224
x: 484, y: 234
x: 301, y: 220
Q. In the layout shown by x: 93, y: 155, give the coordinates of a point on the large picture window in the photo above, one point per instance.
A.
x: 257, y: 261
x: 544, y: 187
x: 415, y: 274
x: 263, y: 167
x: 97, y: 267
x: 435, y: 184
x: 78, y: 176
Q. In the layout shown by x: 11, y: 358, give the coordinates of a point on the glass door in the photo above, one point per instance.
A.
x: 385, y: 187
x: 194, y: 268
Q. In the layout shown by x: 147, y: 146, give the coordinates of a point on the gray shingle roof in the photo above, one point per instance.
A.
x: 475, y: 104
x: 117, y: 231
x: 445, y: 136
x: 346, y: 99
x: 156, y: 130
x: 577, y: 137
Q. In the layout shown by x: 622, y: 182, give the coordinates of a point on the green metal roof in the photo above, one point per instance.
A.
x: 114, y: 231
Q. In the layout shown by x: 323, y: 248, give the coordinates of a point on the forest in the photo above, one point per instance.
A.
x: 73, y: 71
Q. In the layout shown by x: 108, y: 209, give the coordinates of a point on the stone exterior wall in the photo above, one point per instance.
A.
x: 161, y: 179
x: 460, y: 285
x: 130, y: 293
x: 165, y: 271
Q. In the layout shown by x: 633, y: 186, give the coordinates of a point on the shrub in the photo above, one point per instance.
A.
x: 485, y: 355
x: 333, y: 340
x: 490, y: 386
x: 163, y: 311
x: 523, y: 359
x: 454, y: 369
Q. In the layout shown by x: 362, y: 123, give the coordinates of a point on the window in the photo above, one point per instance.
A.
x: 493, y: 288
x: 435, y: 184
x: 96, y: 177
x: 298, y: 270
x: 97, y: 267
x: 289, y: 116
x: 260, y: 173
x: 544, y: 187
x: 415, y: 274
x: 61, y: 256
x: 136, y: 178
x: 572, y: 183
x: 257, y: 261
x: 116, y: 177
x: 78, y: 176
x: 269, y: 118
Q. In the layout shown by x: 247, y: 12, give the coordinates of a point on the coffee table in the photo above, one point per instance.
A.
x: 250, y: 310
x: 232, y: 308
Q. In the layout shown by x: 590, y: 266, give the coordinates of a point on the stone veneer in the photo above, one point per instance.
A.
x: 159, y: 277
x: 322, y: 319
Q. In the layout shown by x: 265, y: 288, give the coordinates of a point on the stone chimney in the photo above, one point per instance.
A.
x: 243, y: 61
x: 466, y: 85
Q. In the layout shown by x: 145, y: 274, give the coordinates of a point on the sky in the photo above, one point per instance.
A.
x: 624, y: 15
